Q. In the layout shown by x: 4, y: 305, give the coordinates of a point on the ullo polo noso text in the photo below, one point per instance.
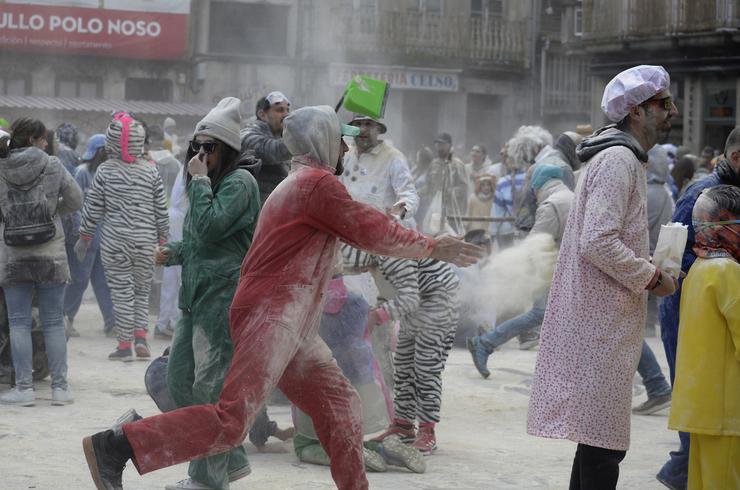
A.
x: 79, y: 25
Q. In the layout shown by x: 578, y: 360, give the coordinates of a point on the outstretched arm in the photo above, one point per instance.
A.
x: 332, y: 210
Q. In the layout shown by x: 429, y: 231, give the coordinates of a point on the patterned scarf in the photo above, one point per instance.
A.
x: 717, y: 229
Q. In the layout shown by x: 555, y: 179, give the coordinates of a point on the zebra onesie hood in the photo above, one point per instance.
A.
x: 127, y: 195
x: 422, y: 295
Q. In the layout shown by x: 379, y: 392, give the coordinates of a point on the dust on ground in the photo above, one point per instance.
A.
x: 482, y: 438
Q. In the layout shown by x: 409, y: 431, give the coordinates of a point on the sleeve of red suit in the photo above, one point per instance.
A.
x: 331, y: 209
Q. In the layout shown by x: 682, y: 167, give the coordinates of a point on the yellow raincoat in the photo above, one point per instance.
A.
x: 706, y: 393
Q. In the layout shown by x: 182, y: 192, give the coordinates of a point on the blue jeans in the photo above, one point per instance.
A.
x: 652, y: 377
x: 18, y: 298
x: 89, y: 270
x: 515, y: 326
x: 676, y: 469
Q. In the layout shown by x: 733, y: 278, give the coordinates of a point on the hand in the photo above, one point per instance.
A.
x: 456, y: 251
x: 80, y: 248
x: 161, y: 254
x: 398, y: 210
x: 196, y: 166
x: 668, y: 285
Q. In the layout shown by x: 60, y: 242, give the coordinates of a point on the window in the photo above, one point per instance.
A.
x: 364, y: 15
x: 15, y: 85
x: 248, y: 28
x: 487, y: 8
x: 70, y: 87
x: 578, y: 20
x: 154, y: 89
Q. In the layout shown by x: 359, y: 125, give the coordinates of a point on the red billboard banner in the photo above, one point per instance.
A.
x: 141, y: 34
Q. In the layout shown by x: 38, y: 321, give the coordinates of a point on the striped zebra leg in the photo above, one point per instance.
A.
x: 119, y: 274
x: 404, y: 379
x: 434, y: 340
x: 143, y: 271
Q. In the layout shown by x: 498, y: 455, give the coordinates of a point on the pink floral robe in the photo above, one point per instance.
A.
x: 592, y: 332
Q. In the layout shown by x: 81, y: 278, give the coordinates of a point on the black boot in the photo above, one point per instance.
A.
x: 106, y: 453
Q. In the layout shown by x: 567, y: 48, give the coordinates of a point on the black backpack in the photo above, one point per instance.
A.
x: 26, y: 214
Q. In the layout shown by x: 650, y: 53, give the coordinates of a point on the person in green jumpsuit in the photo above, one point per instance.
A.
x: 223, y: 207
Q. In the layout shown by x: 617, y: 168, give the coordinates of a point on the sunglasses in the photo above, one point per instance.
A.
x: 208, y: 146
x: 666, y: 102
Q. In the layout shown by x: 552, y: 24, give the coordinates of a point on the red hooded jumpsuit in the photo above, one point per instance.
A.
x: 274, y: 323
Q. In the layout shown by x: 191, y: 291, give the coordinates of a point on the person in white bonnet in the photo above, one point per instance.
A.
x: 591, y: 335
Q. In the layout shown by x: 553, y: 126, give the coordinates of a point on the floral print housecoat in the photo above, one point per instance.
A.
x: 592, y: 332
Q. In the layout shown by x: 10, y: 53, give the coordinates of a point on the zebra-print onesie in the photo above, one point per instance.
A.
x: 129, y: 197
x: 425, y: 301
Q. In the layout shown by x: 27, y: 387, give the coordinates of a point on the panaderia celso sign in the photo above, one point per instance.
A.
x: 143, y: 29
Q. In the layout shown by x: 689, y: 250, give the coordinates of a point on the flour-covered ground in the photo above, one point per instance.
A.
x: 482, y: 439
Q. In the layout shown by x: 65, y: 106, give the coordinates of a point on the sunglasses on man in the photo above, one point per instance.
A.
x: 666, y: 102
x: 208, y: 146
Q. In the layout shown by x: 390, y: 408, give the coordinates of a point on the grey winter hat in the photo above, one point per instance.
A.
x: 223, y: 123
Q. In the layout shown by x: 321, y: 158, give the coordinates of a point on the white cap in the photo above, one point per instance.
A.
x: 631, y: 88
x: 276, y: 98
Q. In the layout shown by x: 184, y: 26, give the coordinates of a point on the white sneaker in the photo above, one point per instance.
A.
x: 188, y: 484
x: 23, y: 398
x: 62, y: 396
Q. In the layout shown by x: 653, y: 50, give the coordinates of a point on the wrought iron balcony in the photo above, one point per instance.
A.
x: 395, y: 35
x: 609, y: 19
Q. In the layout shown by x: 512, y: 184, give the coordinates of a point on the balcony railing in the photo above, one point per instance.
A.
x: 604, y: 19
x: 418, y: 34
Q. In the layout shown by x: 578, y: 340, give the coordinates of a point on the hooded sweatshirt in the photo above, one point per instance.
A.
x: 127, y: 191
x: 607, y: 137
x: 296, y: 237
x: 45, y: 263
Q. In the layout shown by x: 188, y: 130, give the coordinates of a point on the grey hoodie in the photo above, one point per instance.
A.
x: 45, y: 263
x: 607, y: 137
x: 314, y: 132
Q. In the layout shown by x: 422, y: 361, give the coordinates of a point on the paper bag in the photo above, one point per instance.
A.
x: 670, y: 247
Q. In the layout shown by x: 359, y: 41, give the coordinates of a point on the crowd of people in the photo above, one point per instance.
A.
x: 308, y: 256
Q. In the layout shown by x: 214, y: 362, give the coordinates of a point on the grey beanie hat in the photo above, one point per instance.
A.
x: 223, y: 123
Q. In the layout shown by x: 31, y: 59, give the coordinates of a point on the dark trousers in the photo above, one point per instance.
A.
x: 595, y: 468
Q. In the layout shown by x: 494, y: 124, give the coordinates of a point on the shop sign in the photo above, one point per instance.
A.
x: 151, y: 29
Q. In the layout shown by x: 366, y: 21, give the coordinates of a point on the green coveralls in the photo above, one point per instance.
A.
x: 217, y: 233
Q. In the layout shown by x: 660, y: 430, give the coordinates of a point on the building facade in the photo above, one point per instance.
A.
x: 697, y: 41
x: 456, y: 66
x: 459, y: 67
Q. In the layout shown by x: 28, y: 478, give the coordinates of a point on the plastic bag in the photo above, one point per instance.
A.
x: 670, y: 247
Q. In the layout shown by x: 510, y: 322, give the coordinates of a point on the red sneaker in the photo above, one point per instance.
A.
x: 426, y: 441
x: 401, y: 428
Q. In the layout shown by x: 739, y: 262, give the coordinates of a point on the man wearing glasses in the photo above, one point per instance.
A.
x: 592, y: 331
x: 264, y: 137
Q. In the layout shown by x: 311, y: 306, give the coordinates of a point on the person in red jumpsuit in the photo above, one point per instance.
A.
x: 275, y: 316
